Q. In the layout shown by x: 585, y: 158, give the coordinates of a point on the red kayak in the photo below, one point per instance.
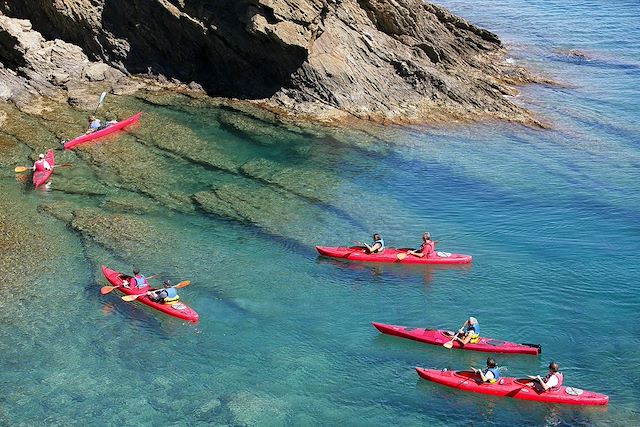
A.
x: 40, y: 177
x: 102, y: 132
x: 176, y: 309
x: 357, y: 253
x: 513, y: 387
x: 439, y: 337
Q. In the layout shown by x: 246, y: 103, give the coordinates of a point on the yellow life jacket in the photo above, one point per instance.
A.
x: 171, y: 300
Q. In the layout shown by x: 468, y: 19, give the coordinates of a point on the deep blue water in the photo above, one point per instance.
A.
x: 550, y: 216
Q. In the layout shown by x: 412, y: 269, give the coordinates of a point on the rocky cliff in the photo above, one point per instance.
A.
x: 393, y: 60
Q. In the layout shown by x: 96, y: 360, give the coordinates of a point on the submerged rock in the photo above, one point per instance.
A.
x: 181, y: 140
x: 328, y: 190
x: 252, y: 409
x: 259, y: 131
x: 128, y: 204
x: 124, y: 234
x: 84, y: 187
x: 132, y: 166
x: 24, y: 245
x: 274, y: 211
x: 60, y: 210
x: 313, y: 184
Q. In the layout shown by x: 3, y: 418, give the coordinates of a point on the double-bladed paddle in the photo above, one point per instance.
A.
x: 136, y: 296
x: 106, y: 289
x: 449, y: 344
x: 20, y: 169
x: 100, y: 102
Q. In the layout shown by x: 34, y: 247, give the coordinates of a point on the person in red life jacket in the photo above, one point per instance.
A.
x: 41, y: 164
x: 427, y: 247
x: 489, y: 375
x: 167, y: 295
x: 553, y: 379
x: 138, y: 280
x: 377, y: 247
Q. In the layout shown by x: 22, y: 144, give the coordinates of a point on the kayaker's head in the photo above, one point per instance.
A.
x: 491, y: 363
x: 473, y: 320
x: 41, y: 156
x: 426, y: 236
x: 554, y: 367
x: 166, y: 284
x: 136, y: 270
x: 376, y: 236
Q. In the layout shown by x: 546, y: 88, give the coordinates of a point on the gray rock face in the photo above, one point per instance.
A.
x: 33, y: 66
x: 398, y: 61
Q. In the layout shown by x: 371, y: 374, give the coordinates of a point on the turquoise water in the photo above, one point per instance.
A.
x: 551, y: 218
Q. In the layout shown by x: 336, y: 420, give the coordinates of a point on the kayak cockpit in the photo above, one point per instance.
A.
x: 467, y: 375
x: 129, y: 283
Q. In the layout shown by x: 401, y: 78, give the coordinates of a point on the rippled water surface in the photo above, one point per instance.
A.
x: 236, y: 204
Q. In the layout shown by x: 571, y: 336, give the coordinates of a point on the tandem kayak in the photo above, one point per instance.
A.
x: 102, y: 132
x: 439, y: 337
x: 513, y: 387
x: 357, y: 253
x: 40, y: 177
x: 177, y: 309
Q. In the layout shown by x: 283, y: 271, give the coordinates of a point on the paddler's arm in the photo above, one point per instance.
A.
x: 158, y: 293
x: 544, y: 385
x: 479, y: 372
x: 373, y: 248
x: 417, y: 253
x: 537, y: 379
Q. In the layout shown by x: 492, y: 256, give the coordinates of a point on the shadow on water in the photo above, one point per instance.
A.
x: 377, y: 269
x: 440, y: 357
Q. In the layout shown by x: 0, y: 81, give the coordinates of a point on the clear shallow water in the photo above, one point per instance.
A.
x: 551, y: 218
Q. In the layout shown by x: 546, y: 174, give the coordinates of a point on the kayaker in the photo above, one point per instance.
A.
x: 427, y: 247
x: 167, y: 295
x: 377, y: 247
x: 110, y: 122
x: 41, y: 164
x: 94, y: 124
x: 489, y: 375
x: 470, y: 331
x: 138, y: 280
x: 553, y: 379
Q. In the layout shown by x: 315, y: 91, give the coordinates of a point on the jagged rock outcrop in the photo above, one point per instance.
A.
x: 400, y: 60
x: 32, y: 67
